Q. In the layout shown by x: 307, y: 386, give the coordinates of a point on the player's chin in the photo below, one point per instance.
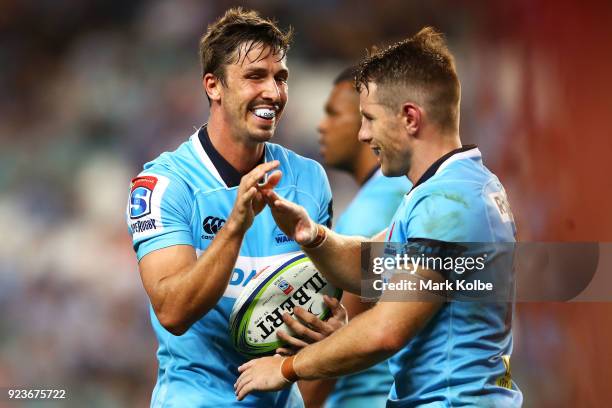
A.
x: 261, y: 135
x: 263, y: 130
x: 390, y: 171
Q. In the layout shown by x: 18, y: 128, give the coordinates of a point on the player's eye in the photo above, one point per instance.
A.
x: 366, y: 117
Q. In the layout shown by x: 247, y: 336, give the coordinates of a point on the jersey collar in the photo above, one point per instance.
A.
x: 464, y: 152
x: 221, y: 168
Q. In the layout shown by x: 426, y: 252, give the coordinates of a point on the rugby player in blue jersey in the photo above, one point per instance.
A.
x: 378, y: 195
x: 443, y: 354
x: 196, y: 219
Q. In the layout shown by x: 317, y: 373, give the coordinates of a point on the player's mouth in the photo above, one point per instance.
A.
x: 266, y: 113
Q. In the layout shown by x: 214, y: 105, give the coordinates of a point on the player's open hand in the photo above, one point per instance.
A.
x: 308, y: 328
x: 250, y: 201
x: 262, y: 374
x: 291, y: 218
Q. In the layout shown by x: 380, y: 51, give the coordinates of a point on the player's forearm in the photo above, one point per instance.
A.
x: 190, y: 294
x: 339, y: 259
x: 359, y: 345
x: 369, y: 338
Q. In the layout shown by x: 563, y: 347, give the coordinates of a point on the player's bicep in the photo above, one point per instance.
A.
x: 161, y: 264
x: 405, y: 313
x: 404, y: 319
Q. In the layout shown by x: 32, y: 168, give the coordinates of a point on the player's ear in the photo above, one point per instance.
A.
x: 411, y: 118
x: 212, y: 86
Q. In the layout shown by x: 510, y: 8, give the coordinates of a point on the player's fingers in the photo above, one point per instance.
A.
x: 283, y: 205
x: 248, y: 195
x: 243, y: 379
x: 337, y: 309
x: 272, y: 180
x: 308, y: 318
x: 244, y: 390
x: 254, y: 176
x: 277, y: 203
x: 332, y: 302
x: 238, y: 390
x: 301, y: 330
x: 320, y: 329
x: 246, y: 365
x: 258, y: 202
x: 292, y: 341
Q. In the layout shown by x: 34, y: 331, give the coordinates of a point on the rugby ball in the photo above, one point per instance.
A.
x: 258, y: 311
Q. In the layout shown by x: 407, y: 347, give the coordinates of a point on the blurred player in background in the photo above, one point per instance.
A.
x: 193, y: 214
x: 380, y: 195
x: 443, y: 353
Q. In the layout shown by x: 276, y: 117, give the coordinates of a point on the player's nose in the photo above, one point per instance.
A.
x: 321, y: 126
x: 271, y: 90
x: 364, y: 135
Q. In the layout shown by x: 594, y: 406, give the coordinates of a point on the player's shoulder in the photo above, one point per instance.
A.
x: 178, y: 161
x: 295, y: 165
x: 185, y: 166
x: 461, y: 201
x: 168, y: 169
x: 463, y: 181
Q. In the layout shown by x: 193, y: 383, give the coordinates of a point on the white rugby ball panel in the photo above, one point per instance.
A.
x: 257, y: 313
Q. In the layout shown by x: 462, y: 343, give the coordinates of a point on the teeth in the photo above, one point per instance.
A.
x: 265, y: 113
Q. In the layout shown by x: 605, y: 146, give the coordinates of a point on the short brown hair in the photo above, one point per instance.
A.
x: 421, y: 63
x: 223, y: 37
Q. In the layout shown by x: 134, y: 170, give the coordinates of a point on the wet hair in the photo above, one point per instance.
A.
x: 222, y: 43
x: 419, y: 68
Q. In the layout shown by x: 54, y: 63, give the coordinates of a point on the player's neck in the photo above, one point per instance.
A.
x: 429, y: 151
x: 242, y: 156
x: 364, y: 163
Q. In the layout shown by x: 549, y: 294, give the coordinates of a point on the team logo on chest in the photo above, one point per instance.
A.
x: 211, y: 225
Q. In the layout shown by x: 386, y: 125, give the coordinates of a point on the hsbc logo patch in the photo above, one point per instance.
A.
x: 211, y: 225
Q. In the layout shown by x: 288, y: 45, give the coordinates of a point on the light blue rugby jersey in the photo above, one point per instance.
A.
x: 462, y: 357
x: 368, y: 214
x: 182, y: 198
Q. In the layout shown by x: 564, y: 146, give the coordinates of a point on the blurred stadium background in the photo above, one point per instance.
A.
x: 90, y: 90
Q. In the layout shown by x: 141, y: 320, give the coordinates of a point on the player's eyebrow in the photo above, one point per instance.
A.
x: 256, y: 71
